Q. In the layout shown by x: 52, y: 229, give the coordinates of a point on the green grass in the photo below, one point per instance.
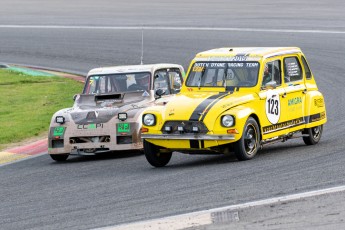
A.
x: 27, y: 103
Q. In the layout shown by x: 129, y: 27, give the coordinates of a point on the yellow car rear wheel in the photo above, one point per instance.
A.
x: 314, y: 135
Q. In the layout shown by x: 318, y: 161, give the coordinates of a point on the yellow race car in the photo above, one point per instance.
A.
x: 235, y: 100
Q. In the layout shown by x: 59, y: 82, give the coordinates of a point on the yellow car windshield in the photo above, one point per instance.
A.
x: 223, y: 74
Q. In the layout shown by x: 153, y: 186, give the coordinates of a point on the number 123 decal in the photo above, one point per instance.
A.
x: 273, y: 106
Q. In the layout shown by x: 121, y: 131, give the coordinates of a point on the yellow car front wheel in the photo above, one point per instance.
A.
x: 154, y: 156
x: 247, y: 147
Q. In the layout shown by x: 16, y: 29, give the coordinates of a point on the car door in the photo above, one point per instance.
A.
x: 272, y: 100
x: 295, y: 91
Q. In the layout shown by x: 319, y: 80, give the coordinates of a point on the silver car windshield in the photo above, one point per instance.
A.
x: 223, y: 74
x: 116, y: 83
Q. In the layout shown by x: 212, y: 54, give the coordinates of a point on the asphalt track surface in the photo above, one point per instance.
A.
x: 90, y: 192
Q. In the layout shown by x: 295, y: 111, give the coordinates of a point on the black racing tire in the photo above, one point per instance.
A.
x: 59, y: 157
x: 249, y: 144
x: 154, y: 156
x: 314, y: 135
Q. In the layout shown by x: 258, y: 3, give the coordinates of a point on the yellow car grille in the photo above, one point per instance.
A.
x: 177, y: 127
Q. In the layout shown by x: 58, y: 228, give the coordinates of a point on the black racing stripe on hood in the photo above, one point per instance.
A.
x: 197, y: 113
x: 211, y: 105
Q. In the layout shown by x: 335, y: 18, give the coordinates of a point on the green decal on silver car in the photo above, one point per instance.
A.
x: 92, y: 126
x: 123, y: 128
x: 58, y: 131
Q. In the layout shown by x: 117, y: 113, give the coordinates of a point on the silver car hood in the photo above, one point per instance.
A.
x: 90, y: 108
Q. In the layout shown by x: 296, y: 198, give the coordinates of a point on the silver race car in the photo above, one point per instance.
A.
x: 107, y: 115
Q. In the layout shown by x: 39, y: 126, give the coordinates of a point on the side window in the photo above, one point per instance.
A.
x: 161, y: 81
x: 292, y: 69
x: 272, y: 73
x: 175, y: 79
x: 306, y: 68
x: 90, y: 87
x: 170, y: 80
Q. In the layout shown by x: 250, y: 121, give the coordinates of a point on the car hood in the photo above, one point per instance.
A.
x: 101, y: 108
x: 197, y: 106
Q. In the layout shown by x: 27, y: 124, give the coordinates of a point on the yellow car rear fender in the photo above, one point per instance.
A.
x: 315, y: 109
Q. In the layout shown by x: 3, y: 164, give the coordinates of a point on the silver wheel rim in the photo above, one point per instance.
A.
x: 316, y: 132
x: 250, y: 139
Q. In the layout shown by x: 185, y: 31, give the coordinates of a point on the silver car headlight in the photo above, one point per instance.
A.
x: 228, y: 121
x: 60, y: 119
x: 149, y: 119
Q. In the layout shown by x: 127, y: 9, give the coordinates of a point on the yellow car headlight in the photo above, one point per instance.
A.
x: 228, y: 121
x: 149, y: 119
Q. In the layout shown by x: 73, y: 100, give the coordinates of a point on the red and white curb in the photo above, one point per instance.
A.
x: 18, y: 153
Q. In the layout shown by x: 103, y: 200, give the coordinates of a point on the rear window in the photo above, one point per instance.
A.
x: 292, y: 69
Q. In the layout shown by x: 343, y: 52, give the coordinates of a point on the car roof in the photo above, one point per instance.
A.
x: 131, y: 68
x: 254, y: 52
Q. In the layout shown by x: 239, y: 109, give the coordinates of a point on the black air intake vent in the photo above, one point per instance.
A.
x: 108, y: 97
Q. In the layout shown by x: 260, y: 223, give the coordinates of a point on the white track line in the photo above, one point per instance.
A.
x: 172, y: 28
x: 200, y: 218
